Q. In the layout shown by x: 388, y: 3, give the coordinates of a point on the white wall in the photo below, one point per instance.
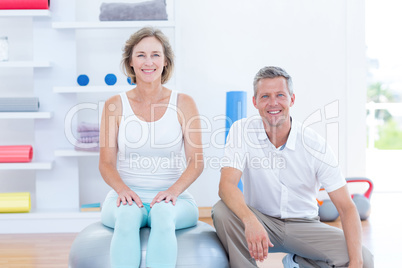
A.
x: 221, y: 45
x: 321, y: 45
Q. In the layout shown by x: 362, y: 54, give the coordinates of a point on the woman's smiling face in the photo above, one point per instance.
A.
x: 148, y: 60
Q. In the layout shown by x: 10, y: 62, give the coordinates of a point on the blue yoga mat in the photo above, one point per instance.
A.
x: 236, y: 108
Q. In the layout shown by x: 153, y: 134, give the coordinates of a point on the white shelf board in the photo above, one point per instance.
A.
x: 112, y: 24
x: 25, y: 64
x: 97, y: 89
x: 44, y: 215
x: 26, y: 166
x: 25, y: 13
x: 25, y: 115
x: 92, y: 89
x: 60, y: 221
x: 73, y: 153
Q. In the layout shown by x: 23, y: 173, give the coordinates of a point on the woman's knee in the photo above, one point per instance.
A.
x: 128, y: 217
x: 161, y: 212
x: 162, y: 215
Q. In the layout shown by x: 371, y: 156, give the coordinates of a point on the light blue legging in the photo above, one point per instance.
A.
x: 163, y: 218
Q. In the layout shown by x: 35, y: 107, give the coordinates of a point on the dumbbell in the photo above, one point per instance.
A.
x: 328, y: 212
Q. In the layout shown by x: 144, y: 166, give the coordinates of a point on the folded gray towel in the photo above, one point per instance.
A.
x: 149, y: 10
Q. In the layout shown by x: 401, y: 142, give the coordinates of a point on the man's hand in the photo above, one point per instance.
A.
x: 257, y: 239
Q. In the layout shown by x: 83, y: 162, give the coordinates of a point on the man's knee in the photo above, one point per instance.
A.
x: 224, y: 218
x: 220, y: 212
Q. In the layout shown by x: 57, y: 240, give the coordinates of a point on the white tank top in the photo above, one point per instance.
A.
x: 150, y: 157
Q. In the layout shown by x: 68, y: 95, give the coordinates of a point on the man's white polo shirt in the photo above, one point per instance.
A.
x: 281, y: 182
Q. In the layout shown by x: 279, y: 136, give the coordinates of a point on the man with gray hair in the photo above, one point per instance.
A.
x: 278, y: 211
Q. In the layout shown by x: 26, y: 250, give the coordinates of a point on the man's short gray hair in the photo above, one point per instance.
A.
x: 273, y: 72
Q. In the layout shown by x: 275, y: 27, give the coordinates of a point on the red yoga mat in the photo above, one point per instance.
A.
x: 24, y: 4
x: 16, y: 154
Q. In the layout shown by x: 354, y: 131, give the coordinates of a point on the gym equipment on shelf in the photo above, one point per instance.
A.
x: 83, y: 80
x: 15, y: 202
x: 110, y: 79
x: 236, y: 108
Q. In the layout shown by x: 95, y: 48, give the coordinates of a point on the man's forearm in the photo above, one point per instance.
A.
x: 234, y: 199
x: 353, y: 234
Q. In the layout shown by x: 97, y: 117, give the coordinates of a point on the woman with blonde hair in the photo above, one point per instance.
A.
x: 143, y: 134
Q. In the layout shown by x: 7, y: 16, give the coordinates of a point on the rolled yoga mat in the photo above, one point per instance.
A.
x: 16, y: 153
x: 19, y: 104
x: 15, y: 202
x: 24, y: 4
x: 236, y: 108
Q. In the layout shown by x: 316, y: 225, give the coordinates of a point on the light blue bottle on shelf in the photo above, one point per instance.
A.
x: 110, y: 79
x: 82, y: 80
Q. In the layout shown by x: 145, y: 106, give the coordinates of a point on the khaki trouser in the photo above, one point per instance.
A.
x: 315, y: 244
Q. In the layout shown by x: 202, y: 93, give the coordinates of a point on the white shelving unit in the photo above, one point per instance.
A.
x: 111, y: 24
x: 91, y: 89
x: 25, y: 64
x: 73, y: 153
x: 97, y: 89
x: 25, y: 222
x: 58, y: 181
x: 24, y: 13
x: 38, y: 221
x: 25, y: 115
x: 26, y: 166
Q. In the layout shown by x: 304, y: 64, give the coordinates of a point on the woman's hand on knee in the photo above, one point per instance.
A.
x: 164, y: 195
x: 128, y: 196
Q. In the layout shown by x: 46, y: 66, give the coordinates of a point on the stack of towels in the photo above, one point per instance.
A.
x: 88, y: 137
x: 147, y: 10
x: 19, y: 104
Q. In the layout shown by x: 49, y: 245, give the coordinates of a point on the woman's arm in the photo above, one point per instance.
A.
x: 108, y: 152
x: 191, y: 127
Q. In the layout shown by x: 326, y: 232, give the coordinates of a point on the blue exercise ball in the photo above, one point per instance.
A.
x: 110, y: 79
x: 197, y: 247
